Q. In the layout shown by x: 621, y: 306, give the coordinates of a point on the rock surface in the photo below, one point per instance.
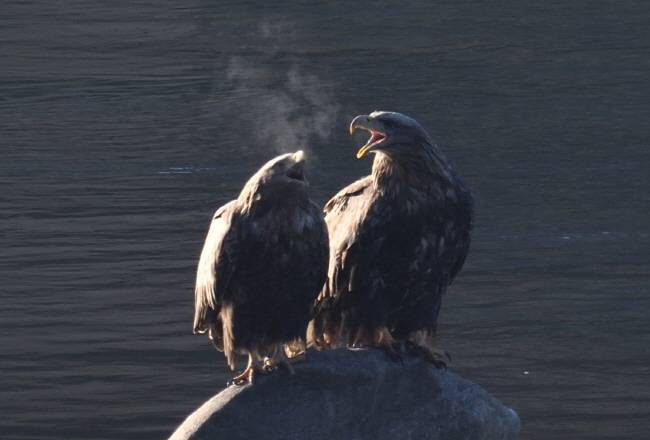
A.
x: 349, y: 395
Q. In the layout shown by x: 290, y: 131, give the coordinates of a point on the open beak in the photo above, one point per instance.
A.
x: 296, y: 171
x: 377, y: 136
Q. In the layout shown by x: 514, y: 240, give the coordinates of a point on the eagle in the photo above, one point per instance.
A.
x: 398, y: 238
x: 263, y: 264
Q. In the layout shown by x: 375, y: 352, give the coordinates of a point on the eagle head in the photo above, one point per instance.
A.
x: 285, y: 170
x: 390, y: 132
x: 278, y: 179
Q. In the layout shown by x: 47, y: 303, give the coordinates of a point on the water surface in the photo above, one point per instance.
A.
x: 125, y: 125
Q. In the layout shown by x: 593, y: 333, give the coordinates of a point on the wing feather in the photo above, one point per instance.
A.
x: 215, y: 268
x: 340, y: 200
x: 355, y: 236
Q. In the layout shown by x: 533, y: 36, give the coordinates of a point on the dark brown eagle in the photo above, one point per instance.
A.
x: 398, y: 238
x: 262, y: 266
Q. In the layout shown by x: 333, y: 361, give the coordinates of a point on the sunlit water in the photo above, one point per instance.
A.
x: 123, y: 127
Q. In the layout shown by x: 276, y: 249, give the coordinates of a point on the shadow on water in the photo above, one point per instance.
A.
x: 125, y: 127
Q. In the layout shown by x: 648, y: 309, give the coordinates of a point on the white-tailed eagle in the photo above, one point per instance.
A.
x: 262, y: 266
x: 398, y: 238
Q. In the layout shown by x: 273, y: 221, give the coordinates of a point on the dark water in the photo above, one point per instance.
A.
x: 123, y: 125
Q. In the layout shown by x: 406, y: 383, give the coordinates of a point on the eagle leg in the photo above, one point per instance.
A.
x: 279, y: 359
x: 385, y: 341
x: 295, y: 351
x: 255, y: 367
x: 300, y: 357
x: 423, y: 342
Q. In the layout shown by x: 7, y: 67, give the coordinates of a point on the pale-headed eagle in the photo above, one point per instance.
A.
x: 262, y: 266
x: 398, y: 238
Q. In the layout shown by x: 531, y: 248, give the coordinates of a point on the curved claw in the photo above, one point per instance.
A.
x: 255, y: 366
x: 410, y: 347
x: 248, y: 376
x: 439, y: 364
x: 423, y: 343
x: 436, y: 357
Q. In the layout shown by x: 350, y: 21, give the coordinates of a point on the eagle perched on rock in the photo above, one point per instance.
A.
x: 398, y: 238
x: 262, y: 266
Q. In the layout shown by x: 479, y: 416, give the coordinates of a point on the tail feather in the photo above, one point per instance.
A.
x: 203, y: 318
x: 228, y: 338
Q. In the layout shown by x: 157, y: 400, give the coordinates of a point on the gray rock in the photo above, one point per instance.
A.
x: 361, y: 394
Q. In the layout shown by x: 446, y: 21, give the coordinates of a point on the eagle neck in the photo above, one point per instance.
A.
x: 277, y: 212
x: 395, y: 173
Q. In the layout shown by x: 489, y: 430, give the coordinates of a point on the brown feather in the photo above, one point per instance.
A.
x: 263, y: 264
x: 397, y: 240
